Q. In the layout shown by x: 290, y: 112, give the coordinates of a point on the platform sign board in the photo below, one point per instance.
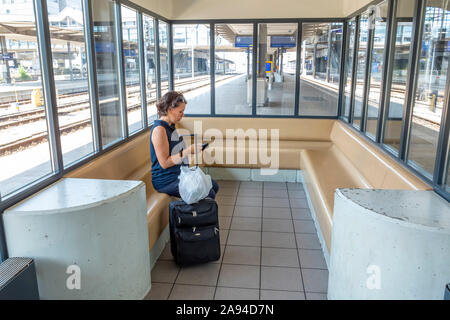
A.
x: 243, y: 41
x: 282, y: 41
x: 104, y: 47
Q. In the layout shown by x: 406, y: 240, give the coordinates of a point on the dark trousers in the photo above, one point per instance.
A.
x: 172, y: 189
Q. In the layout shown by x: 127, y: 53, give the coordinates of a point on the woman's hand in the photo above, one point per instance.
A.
x: 195, y: 148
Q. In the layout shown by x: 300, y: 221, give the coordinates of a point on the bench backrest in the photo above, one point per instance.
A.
x: 379, y: 169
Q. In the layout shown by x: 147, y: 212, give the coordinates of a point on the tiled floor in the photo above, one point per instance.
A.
x: 270, y: 250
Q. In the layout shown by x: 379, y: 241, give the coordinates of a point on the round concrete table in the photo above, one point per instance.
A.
x: 88, y: 237
x: 389, y: 244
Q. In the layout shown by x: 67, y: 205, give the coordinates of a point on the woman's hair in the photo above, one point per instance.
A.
x: 169, y: 101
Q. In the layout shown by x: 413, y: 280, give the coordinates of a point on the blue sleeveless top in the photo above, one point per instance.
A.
x: 162, y: 177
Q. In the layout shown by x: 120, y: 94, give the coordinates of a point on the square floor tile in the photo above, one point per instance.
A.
x: 202, y: 274
x: 297, y: 194
x: 228, y: 183
x: 229, y: 191
x: 281, y: 295
x: 276, y: 203
x: 250, y: 192
x: 307, y: 241
x: 301, y: 214
x: 315, y: 280
x: 249, y: 201
x: 304, y: 226
x: 225, y: 222
x: 312, y: 259
x: 165, y: 271
x: 242, y: 255
x: 249, y: 212
x: 225, y: 200
x: 298, y: 203
x: 279, y: 278
x: 294, y: 186
x: 277, y: 213
x: 223, y: 293
x: 240, y: 223
x: 239, y: 276
x: 244, y: 238
x: 189, y: 292
x: 225, y: 210
x: 166, y: 254
x: 275, y: 185
x: 159, y: 291
x: 279, y: 257
x: 223, y: 235
x: 277, y: 225
x: 316, y: 296
x: 251, y: 185
x: 278, y: 240
x: 275, y: 193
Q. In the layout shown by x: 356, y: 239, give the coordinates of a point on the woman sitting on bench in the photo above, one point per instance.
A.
x: 164, y: 139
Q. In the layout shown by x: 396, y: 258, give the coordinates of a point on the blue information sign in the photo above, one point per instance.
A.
x: 282, y: 41
x: 243, y: 41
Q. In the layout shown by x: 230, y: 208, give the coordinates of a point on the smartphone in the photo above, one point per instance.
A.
x: 205, y: 145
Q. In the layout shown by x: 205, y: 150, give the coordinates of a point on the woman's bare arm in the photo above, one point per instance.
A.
x: 161, y: 145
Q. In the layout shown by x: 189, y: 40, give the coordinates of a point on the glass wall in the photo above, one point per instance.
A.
x: 107, y: 71
x: 275, y: 69
x: 24, y: 147
x: 430, y: 94
x: 320, y: 68
x: 233, y: 68
x: 164, y: 56
x: 191, y: 63
x: 131, y: 68
x: 378, y: 24
x: 403, y: 24
x: 351, y: 33
x: 361, y: 63
x: 71, y: 80
x: 151, y: 84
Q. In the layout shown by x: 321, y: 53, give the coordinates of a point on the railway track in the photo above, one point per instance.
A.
x: 39, y: 115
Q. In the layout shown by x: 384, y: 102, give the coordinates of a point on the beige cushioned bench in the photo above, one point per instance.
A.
x: 328, y: 152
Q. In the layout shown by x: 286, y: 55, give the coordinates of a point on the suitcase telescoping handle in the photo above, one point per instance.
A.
x: 195, y: 143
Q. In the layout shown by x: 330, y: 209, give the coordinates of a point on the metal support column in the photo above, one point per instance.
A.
x: 297, y: 69
x: 170, y: 57
x: 342, y: 70
x: 355, y: 63
x: 327, y: 77
x: 366, y: 92
x: 254, y: 67
x: 157, y: 61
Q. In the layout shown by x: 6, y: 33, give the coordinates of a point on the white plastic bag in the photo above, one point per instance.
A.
x: 194, y: 184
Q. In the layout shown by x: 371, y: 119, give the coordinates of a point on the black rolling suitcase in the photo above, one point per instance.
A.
x: 194, y: 232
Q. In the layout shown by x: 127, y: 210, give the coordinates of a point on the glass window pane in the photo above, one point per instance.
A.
x: 24, y: 147
x: 150, y: 66
x: 233, y: 70
x: 430, y: 93
x: 320, y: 68
x: 404, y: 25
x: 192, y: 75
x: 361, y: 70
x: 107, y: 71
x: 376, y: 68
x: 131, y: 68
x: 70, y: 74
x: 275, y: 70
x: 351, y: 33
x: 163, y: 56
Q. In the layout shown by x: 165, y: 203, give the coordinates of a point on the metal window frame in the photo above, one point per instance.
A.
x: 91, y: 65
x: 212, y: 67
x: 342, y: 77
x: 354, y: 71
x: 48, y: 85
x: 121, y: 68
x: 367, y: 74
x: 157, y: 60
x: 142, y: 75
x: 170, y: 70
x: 412, y: 77
x: 297, y: 69
x: 144, y: 15
x: 388, y: 67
